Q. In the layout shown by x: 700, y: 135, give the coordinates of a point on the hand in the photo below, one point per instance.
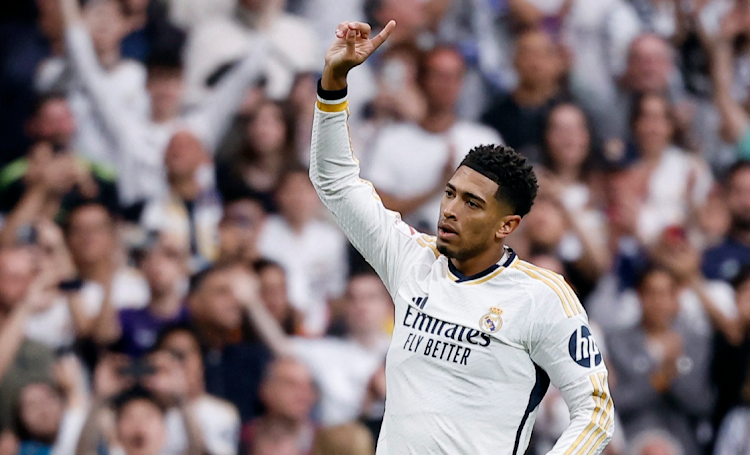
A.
x: 246, y: 288
x: 673, y: 346
x: 108, y: 381
x: 351, y: 47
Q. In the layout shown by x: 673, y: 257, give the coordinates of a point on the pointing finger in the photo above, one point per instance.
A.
x: 384, y: 34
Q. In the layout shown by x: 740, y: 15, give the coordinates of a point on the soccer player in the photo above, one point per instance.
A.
x: 479, y: 333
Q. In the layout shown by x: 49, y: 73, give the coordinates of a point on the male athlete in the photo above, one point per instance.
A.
x: 479, y: 333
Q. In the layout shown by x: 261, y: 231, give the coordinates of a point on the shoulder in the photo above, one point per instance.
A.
x: 552, y: 295
x: 215, y: 406
x: 478, y: 133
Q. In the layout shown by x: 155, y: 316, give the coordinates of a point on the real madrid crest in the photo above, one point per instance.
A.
x: 492, y: 321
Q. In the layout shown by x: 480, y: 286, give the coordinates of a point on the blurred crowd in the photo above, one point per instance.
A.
x: 170, y: 283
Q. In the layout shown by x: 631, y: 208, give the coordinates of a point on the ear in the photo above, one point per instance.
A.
x: 507, y: 225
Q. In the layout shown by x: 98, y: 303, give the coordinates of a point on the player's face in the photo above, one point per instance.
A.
x: 472, y: 220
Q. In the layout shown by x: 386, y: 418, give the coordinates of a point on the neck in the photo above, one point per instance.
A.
x: 479, y: 263
x: 438, y: 120
x: 289, y: 422
x: 297, y: 224
x: 653, y: 329
x: 534, y: 95
x: 568, y: 174
x: 165, y: 305
x: 160, y: 116
x: 212, y: 337
x: 652, y: 155
x: 109, y: 59
x: 186, y: 188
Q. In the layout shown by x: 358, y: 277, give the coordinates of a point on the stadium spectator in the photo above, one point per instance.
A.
x: 267, y: 152
x: 655, y: 442
x: 411, y: 15
x: 411, y: 162
x: 233, y: 368
x: 288, y: 395
x: 139, y: 142
x: 312, y: 252
x: 24, y: 291
x: 51, y: 176
x: 674, y: 184
x: 217, y: 420
x: 731, y: 356
x: 252, y: 21
x: 239, y: 229
x: 135, y: 331
x: 724, y: 261
x: 519, y: 115
x: 342, y: 368
x: 191, y: 210
x: 662, y: 367
x: 275, y: 296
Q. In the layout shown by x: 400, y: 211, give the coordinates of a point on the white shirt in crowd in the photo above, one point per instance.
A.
x: 342, y: 369
x: 678, y: 181
x: 407, y: 161
x: 315, y: 263
x: 217, y: 420
x: 54, y: 327
x: 226, y: 39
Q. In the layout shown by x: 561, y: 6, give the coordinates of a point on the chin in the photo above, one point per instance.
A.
x: 445, y: 250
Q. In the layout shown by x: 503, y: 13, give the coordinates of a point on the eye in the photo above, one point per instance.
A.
x: 448, y: 192
x: 473, y: 204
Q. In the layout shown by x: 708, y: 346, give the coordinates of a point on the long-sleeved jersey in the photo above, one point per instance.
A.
x: 471, y: 357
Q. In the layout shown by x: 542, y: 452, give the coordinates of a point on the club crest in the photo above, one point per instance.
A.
x: 491, y: 322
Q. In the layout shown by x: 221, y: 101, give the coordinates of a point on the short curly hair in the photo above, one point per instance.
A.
x: 515, y: 178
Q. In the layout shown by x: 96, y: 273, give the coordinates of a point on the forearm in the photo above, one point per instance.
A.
x: 11, y: 337
x: 28, y: 209
x: 82, y: 323
x: 91, y: 436
x: 106, y: 326
x: 592, y: 417
x: 734, y: 119
x: 195, y: 442
x: 269, y: 329
x: 731, y: 328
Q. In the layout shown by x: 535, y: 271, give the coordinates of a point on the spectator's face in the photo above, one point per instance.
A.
x: 184, y: 155
x: 136, y: 6
x: 165, y: 88
x: 16, y: 274
x: 545, y: 224
x: 443, y: 79
x: 369, y: 305
x: 738, y: 199
x: 472, y: 220
x: 91, y: 235
x: 40, y: 411
x: 267, y: 130
x: 273, y: 291
x: 653, y: 127
x: 649, y: 65
x: 54, y: 123
x: 288, y: 390
x: 106, y: 23
x: 536, y: 61
x: 239, y: 230
x: 276, y: 445
x: 165, y: 266
x: 568, y: 137
x: 658, y: 296
x: 214, y: 302
x: 184, y: 346
x: 297, y: 200
x: 140, y: 428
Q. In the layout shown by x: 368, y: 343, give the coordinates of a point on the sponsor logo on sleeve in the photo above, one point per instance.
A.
x: 583, y: 349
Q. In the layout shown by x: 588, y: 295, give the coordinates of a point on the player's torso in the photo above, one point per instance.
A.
x: 459, y: 376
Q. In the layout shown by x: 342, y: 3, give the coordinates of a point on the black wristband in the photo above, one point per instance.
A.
x: 331, y: 95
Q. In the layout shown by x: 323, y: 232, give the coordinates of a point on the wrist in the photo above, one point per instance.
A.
x: 333, y: 80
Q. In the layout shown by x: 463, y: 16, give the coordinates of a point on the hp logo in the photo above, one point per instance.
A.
x: 583, y: 348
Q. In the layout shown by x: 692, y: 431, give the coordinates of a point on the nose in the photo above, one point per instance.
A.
x: 449, y: 211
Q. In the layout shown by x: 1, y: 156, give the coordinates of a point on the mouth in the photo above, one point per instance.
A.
x: 446, y: 232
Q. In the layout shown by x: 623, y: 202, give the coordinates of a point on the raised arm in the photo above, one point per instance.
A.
x: 212, y: 119
x: 384, y: 240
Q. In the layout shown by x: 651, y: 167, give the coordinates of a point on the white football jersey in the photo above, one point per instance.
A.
x: 471, y: 357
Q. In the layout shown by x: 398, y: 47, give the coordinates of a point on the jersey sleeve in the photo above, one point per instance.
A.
x: 386, y: 242
x: 562, y: 344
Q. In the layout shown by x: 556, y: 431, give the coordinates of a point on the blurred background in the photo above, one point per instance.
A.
x: 170, y: 283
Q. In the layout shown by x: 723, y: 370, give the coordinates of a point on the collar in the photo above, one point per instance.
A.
x: 485, y: 275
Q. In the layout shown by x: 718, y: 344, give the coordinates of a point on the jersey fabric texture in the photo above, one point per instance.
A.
x: 471, y: 357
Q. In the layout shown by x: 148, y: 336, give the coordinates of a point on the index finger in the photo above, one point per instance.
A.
x: 384, y: 34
